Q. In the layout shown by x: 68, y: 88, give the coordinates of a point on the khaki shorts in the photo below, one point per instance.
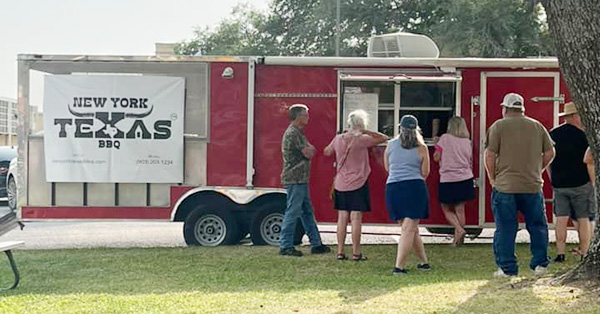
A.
x: 578, y: 202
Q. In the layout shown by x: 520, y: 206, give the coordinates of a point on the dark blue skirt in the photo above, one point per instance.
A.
x: 407, y: 199
x: 451, y: 193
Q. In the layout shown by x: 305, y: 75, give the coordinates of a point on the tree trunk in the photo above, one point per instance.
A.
x: 575, y: 28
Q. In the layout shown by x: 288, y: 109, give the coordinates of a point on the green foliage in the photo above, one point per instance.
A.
x: 461, y: 28
x: 506, y: 28
x: 241, y: 34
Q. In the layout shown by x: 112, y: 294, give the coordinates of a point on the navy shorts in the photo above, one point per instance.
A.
x: 451, y: 193
x: 407, y: 199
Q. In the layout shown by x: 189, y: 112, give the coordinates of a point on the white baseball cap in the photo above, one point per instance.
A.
x: 513, y: 100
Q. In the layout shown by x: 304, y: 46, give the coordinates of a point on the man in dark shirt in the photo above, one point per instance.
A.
x: 297, y: 152
x: 571, y: 182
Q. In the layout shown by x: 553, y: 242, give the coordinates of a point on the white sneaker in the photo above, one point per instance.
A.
x: 540, y: 271
x: 501, y: 274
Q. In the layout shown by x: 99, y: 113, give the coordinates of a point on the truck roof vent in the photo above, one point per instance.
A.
x: 402, y: 45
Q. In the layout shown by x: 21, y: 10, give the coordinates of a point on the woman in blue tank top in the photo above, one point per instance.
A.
x: 406, y: 159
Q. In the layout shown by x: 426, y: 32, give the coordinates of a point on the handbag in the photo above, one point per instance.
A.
x: 342, y: 162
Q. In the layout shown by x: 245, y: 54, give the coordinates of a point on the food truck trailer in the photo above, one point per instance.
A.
x: 197, y: 139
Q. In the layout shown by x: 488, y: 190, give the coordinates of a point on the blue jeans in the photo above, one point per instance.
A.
x: 298, y: 206
x: 505, y: 207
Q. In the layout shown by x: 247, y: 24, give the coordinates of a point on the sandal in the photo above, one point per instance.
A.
x: 341, y: 257
x: 358, y: 257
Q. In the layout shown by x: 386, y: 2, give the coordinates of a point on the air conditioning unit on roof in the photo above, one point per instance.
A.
x: 402, y: 45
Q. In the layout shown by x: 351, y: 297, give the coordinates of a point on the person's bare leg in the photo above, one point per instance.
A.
x: 419, y: 248
x: 560, y: 228
x: 406, y: 240
x: 583, y: 230
x: 453, y: 220
x: 460, y: 214
x: 342, y: 224
x: 356, y: 218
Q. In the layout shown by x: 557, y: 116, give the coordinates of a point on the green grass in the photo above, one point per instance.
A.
x: 245, y: 279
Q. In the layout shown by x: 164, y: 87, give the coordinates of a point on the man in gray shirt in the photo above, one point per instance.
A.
x: 297, y: 152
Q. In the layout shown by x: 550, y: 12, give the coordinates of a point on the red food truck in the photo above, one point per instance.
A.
x: 227, y: 134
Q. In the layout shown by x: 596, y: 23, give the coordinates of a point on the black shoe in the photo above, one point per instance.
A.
x: 560, y: 258
x: 321, y: 249
x: 399, y: 271
x: 424, y: 267
x: 290, y: 252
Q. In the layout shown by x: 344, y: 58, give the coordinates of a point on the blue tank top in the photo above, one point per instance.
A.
x: 404, y: 164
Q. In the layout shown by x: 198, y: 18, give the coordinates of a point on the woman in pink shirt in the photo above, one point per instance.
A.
x: 455, y: 155
x: 351, y: 197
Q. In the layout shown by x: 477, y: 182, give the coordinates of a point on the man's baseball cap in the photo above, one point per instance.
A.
x: 409, y: 121
x: 513, y: 100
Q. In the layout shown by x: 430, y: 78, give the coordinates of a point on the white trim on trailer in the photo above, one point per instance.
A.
x: 458, y: 92
x: 449, y: 63
x: 129, y: 58
x: 527, y: 63
x: 483, y: 122
x: 250, y: 126
x: 556, y: 96
x: 339, y: 108
x: 239, y: 195
x: 482, y: 134
x: 23, y: 131
x: 379, y: 78
x: 397, y: 94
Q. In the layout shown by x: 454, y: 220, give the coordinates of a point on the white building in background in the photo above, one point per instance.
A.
x: 8, y: 122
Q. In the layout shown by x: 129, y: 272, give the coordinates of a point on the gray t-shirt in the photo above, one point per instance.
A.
x: 296, y: 167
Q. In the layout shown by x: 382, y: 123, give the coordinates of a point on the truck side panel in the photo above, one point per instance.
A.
x: 226, y: 159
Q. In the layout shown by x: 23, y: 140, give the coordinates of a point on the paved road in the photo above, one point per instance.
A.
x: 59, y: 235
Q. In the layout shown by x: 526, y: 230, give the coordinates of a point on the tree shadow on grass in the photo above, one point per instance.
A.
x: 528, y: 295
x: 240, y: 269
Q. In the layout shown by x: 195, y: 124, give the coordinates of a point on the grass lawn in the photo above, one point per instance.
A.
x: 243, y: 279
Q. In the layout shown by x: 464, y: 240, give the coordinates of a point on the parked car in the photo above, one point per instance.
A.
x: 8, y: 171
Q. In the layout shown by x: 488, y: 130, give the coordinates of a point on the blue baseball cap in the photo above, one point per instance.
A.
x: 409, y: 121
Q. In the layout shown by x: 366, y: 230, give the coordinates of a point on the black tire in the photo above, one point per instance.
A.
x: 211, y: 227
x: 11, y: 193
x: 267, y: 223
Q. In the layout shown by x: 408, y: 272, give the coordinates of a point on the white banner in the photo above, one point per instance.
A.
x: 125, y: 129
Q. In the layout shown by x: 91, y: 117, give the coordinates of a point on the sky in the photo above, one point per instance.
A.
x: 104, y: 27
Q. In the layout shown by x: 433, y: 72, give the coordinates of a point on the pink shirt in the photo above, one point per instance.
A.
x: 355, y: 171
x: 457, y: 158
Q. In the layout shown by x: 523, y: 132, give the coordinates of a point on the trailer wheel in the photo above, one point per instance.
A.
x: 267, y: 223
x: 211, y: 227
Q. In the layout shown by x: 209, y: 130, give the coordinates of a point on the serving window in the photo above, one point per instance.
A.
x: 433, y: 100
